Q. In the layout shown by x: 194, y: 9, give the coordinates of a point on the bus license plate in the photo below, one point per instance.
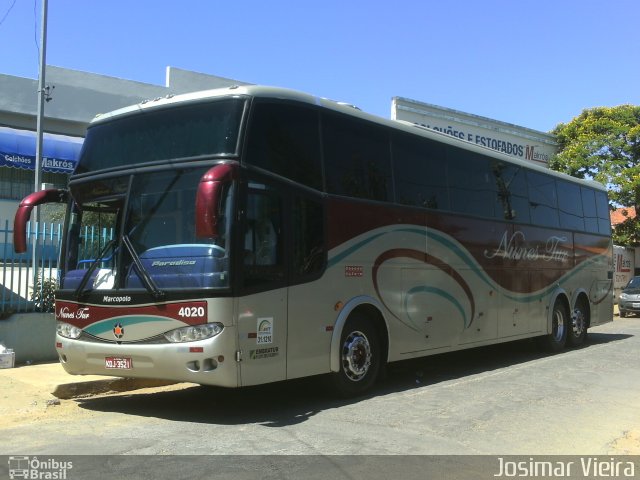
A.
x: 120, y: 363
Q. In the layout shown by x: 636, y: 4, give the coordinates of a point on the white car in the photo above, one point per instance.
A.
x: 629, y: 300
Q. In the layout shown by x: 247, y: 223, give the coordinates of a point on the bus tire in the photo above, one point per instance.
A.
x: 578, y: 324
x: 359, y: 357
x: 556, y: 340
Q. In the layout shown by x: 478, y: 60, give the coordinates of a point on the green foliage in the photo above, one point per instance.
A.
x: 52, y: 213
x: 43, y: 294
x: 627, y: 233
x: 603, y: 144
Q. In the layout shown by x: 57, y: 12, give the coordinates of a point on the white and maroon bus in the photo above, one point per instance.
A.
x: 260, y: 234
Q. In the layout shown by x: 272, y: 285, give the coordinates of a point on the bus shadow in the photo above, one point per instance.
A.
x: 295, y: 401
x: 445, y: 367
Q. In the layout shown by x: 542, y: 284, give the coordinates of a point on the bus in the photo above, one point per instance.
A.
x: 256, y: 234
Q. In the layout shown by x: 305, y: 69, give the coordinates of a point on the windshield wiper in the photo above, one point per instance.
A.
x: 85, y: 279
x: 148, y: 282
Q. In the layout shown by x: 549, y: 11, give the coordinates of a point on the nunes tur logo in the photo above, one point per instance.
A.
x: 118, y: 330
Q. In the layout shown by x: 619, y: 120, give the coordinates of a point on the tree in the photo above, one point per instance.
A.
x: 603, y: 144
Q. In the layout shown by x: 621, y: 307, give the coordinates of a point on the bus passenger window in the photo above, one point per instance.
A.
x: 285, y: 139
x: 420, y: 172
x: 262, y: 238
x: 543, y: 199
x: 472, y: 186
x: 308, y: 249
x: 357, y: 158
x: 260, y: 242
x: 512, y: 200
x: 570, y: 206
x: 602, y: 206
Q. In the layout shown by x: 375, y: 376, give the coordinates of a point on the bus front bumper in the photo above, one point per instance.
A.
x: 206, y: 362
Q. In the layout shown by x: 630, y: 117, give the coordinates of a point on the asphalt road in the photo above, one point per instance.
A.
x: 501, y: 400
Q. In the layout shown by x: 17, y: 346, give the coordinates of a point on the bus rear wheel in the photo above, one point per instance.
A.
x: 557, y: 338
x: 359, y: 358
x: 577, y: 333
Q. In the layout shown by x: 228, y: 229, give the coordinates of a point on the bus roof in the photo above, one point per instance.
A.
x: 259, y: 91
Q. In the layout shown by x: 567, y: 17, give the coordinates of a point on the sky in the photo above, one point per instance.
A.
x: 533, y: 63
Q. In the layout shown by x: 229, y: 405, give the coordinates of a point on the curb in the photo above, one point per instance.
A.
x: 67, y: 391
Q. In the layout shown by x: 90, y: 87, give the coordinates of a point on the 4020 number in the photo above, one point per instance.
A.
x: 191, y: 312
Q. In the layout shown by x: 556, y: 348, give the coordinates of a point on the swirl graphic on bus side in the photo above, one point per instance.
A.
x: 429, y: 260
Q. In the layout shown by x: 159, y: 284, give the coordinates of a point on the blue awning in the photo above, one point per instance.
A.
x: 18, y: 150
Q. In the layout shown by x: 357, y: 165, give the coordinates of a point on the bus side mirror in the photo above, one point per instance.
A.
x: 23, y: 213
x: 209, y: 199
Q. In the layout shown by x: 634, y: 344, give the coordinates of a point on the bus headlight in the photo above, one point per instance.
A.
x: 194, y: 333
x: 67, y: 330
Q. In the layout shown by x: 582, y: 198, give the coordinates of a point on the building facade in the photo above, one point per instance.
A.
x: 520, y: 142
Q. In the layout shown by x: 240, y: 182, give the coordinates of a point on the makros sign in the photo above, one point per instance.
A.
x: 519, y: 142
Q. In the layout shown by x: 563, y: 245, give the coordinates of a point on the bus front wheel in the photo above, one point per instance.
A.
x: 359, y: 358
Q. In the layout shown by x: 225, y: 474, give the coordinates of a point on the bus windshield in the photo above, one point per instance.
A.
x: 138, y: 232
x: 204, y: 129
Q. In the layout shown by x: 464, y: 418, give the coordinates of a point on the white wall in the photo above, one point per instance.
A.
x: 8, y: 211
x: 31, y: 335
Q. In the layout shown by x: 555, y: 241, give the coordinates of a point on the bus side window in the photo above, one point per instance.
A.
x: 357, y: 158
x: 420, y: 172
x: 472, y: 186
x: 589, y: 209
x: 602, y: 207
x: 309, y: 256
x: 285, y: 139
x: 263, y: 239
x: 570, y: 206
x: 512, y: 200
x: 543, y: 200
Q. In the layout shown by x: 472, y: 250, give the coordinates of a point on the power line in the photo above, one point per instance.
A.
x: 35, y: 29
x: 8, y: 12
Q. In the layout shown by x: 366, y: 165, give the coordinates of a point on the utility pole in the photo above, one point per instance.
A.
x: 42, y: 94
x: 39, y: 126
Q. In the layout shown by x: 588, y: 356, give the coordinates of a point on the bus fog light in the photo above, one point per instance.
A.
x: 209, y: 365
x: 194, y: 333
x: 67, y: 330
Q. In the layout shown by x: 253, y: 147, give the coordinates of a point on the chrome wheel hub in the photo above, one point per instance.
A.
x: 356, y: 356
x: 558, y: 325
x: 577, y: 322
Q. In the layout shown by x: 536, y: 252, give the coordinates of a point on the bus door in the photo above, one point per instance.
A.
x: 311, y: 304
x: 262, y: 305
